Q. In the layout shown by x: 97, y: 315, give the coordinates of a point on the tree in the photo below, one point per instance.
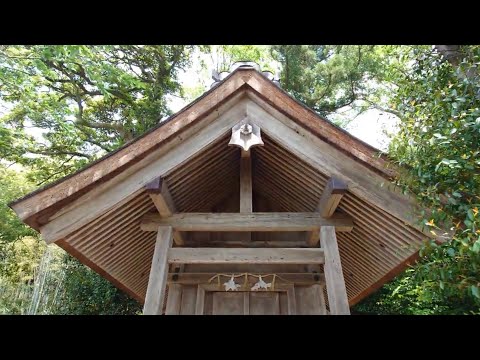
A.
x: 82, y: 101
x: 68, y: 105
x: 439, y: 141
x: 329, y: 78
x: 13, y: 184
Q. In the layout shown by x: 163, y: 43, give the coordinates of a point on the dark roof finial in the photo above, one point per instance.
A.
x: 218, y: 77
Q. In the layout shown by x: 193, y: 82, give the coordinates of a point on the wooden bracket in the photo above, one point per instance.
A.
x: 245, y: 135
x: 331, y: 196
x: 161, y: 197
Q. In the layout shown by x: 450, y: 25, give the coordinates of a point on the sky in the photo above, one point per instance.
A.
x: 371, y: 126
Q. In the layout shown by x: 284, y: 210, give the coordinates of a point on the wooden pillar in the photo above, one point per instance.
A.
x: 246, y: 182
x: 174, y: 299
x: 157, y: 281
x: 336, y: 291
x: 246, y: 204
x: 323, y: 306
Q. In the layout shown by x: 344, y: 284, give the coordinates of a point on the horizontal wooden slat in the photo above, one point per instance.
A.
x: 203, y: 278
x: 245, y: 256
x: 268, y: 221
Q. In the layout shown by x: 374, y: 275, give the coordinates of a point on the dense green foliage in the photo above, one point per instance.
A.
x: 84, y: 100
x: 36, y: 281
x: 439, y: 141
x: 332, y: 77
x: 65, y: 106
x: 13, y: 184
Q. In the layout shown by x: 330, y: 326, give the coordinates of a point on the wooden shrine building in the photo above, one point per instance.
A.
x: 244, y: 202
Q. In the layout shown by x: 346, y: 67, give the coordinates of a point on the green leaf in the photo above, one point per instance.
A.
x: 442, y: 285
x: 451, y: 252
x: 476, y: 246
x: 475, y: 291
x: 470, y: 215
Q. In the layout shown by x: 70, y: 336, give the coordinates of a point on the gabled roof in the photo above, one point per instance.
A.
x: 35, y: 207
x: 85, y: 211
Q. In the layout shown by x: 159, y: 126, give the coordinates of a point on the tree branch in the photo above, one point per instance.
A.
x: 59, y: 152
x: 58, y: 172
x: 381, y: 108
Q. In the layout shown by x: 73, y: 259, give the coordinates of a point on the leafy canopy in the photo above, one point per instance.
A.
x: 69, y: 104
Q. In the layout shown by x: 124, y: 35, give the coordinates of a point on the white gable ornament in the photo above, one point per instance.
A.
x: 245, y: 135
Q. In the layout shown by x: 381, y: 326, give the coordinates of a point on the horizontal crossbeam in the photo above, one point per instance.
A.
x: 245, y: 256
x: 270, y: 221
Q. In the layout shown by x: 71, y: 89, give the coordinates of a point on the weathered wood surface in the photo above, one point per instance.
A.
x: 319, y: 126
x: 282, y: 221
x: 309, y: 301
x: 189, y: 300
x: 246, y: 189
x: 133, y: 155
x: 245, y: 256
x: 174, y: 299
x: 130, y: 183
x: 336, y: 291
x: 362, y: 181
x: 29, y: 208
x: 264, y: 303
x: 161, y: 197
x: 228, y: 303
x: 291, y: 301
x: 246, y: 204
x: 157, y: 281
x: 200, y: 301
x: 331, y: 196
x: 284, y: 278
x: 246, y: 243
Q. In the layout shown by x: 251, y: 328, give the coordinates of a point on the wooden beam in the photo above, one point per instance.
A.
x: 331, y: 196
x: 289, y: 278
x: 336, y: 290
x: 161, y: 197
x: 270, y: 221
x: 174, y: 299
x: 158, y: 273
x: 246, y: 183
x: 210, y: 105
x: 318, y: 126
x: 246, y: 202
x: 245, y: 256
x: 362, y: 181
x: 130, y: 183
x: 242, y: 243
